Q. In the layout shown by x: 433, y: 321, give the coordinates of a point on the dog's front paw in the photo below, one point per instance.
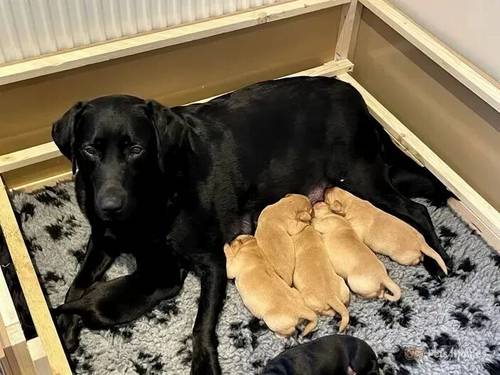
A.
x: 69, y: 326
x: 205, y: 360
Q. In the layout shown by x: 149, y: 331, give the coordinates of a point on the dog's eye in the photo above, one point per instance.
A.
x: 135, y: 150
x: 89, y: 151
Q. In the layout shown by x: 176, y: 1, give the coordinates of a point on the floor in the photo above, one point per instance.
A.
x: 449, y: 328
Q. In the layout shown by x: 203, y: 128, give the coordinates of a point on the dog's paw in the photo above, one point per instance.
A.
x: 434, y: 270
x: 69, y: 327
x: 205, y: 360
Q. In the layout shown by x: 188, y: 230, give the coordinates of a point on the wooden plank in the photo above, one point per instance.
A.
x: 39, y: 357
x: 4, y: 364
x: 50, y: 181
x: 12, y: 340
x: 348, y: 30
x: 49, y: 150
x: 488, y: 215
x: 148, y: 42
x: 463, y: 70
x: 28, y: 156
x: 31, y: 287
x: 475, y: 223
x: 16, y: 351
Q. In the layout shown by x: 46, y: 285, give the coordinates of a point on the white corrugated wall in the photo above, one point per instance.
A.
x: 29, y: 28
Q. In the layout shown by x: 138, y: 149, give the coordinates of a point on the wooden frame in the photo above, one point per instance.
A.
x: 45, y: 352
x: 17, y: 356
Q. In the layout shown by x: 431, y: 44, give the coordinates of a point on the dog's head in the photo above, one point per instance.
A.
x: 118, y: 146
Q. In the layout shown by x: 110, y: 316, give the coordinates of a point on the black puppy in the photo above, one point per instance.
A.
x: 329, y: 355
x: 173, y: 185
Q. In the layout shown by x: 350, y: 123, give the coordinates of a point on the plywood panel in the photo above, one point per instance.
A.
x: 462, y: 129
x: 171, y: 75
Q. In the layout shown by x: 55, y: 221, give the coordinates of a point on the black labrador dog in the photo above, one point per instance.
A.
x: 172, y: 185
x: 328, y: 355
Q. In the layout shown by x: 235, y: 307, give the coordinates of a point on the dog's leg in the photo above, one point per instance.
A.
x: 212, y: 271
x: 121, y: 300
x: 371, y: 182
x: 95, y: 264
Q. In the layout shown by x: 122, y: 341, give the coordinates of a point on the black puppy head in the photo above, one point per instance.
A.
x: 117, y: 145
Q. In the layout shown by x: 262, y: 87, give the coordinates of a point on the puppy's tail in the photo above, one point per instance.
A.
x: 430, y: 252
x: 309, y: 315
x: 394, y: 288
x: 340, y: 308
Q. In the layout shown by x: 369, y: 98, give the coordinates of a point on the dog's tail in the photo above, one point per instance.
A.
x: 336, y: 304
x: 407, y: 176
x: 394, y: 288
x: 309, y: 315
x: 430, y: 252
x: 69, y: 307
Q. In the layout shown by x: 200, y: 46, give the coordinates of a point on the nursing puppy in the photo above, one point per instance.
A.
x: 383, y: 233
x: 275, y: 225
x: 322, y: 289
x: 352, y: 259
x: 329, y: 355
x: 263, y: 292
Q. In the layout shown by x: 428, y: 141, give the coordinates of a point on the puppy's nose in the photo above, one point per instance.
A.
x: 111, y: 204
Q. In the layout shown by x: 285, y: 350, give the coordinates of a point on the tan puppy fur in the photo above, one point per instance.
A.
x: 352, y: 259
x: 383, y: 233
x: 276, y: 223
x: 323, y: 290
x: 263, y: 292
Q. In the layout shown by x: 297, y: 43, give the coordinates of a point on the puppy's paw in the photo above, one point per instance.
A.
x: 69, y: 327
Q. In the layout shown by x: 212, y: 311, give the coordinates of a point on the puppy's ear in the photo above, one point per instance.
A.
x: 228, y: 251
x: 63, y: 131
x: 337, y: 208
x: 297, y: 225
x: 170, y: 129
x: 304, y: 216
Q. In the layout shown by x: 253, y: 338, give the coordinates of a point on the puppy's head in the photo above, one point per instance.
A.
x: 299, y: 212
x: 321, y: 209
x: 117, y: 145
x: 231, y: 251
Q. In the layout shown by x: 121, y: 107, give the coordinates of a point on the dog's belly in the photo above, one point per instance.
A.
x: 317, y: 191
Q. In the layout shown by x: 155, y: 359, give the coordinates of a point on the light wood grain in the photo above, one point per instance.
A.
x: 32, y: 155
x: 49, y: 150
x: 148, y: 42
x: 31, y: 287
x: 348, y: 30
x: 475, y: 223
x: 39, y: 357
x: 488, y: 215
x: 463, y: 70
x: 4, y: 364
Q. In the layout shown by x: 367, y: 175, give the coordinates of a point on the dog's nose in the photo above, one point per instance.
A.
x: 111, y: 204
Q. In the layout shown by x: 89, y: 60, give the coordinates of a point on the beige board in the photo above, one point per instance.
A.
x: 457, y: 125
x: 173, y: 75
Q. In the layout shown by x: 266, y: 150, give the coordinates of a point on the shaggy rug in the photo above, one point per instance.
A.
x: 448, y: 328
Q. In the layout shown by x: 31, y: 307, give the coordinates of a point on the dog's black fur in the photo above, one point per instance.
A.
x: 173, y: 185
x: 328, y: 355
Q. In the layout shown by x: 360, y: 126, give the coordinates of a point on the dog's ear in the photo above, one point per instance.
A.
x: 63, y: 131
x: 171, y: 131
